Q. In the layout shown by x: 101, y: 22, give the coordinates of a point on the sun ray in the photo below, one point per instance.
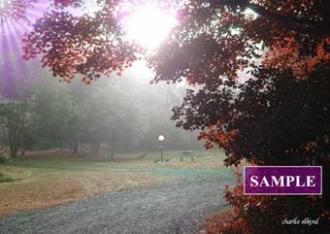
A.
x: 16, y: 18
x: 15, y: 40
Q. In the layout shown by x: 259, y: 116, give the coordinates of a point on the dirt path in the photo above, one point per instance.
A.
x: 175, y: 207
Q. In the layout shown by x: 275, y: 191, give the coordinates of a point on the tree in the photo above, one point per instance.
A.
x: 278, y: 120
x: 269, y: 120
x: 109, y: 114
x: 16, y: 125
x: 214, y: 39
x: 15, y: 118
x: 215, y: 42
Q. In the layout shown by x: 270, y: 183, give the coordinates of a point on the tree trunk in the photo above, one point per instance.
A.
x: 112, y: 156
x: 75, y: 148
x: 12, y: 131
x: 96, y: 149
x: 23, y: 152
x: 112, y: 144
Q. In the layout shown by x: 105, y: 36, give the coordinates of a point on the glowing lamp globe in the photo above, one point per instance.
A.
x: 161, y: 138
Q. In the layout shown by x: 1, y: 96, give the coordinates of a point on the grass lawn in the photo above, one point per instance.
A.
x: 45, y: 180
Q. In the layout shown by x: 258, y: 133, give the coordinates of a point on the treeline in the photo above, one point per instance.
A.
x: 112, y: 115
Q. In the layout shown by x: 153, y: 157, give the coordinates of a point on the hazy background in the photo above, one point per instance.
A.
x: 114, y: 114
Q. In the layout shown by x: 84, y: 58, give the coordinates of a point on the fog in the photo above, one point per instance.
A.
x: 113, y: 114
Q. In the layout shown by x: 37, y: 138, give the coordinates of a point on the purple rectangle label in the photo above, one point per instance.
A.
x: 282, y: 180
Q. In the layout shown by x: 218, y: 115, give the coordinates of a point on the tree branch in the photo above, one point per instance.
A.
x: 290, y: 22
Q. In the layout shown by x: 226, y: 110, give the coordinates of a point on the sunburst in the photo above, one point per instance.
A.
x: 16, y: 18
x: 14, y: 10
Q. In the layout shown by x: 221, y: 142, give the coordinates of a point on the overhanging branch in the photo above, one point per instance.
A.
x: 290, y: 22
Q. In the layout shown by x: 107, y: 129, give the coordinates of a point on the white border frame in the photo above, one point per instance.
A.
x: 283, y: 194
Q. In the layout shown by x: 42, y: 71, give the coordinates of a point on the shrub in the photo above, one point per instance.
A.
x: 4, y: 178
x: 2, y: 158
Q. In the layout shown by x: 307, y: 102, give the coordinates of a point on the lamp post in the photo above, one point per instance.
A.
x: 161, y: 139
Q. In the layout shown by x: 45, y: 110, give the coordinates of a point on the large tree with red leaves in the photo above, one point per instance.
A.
x: 216, y: 42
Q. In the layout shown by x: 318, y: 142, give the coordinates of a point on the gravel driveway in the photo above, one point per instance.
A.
x: 178, y: 206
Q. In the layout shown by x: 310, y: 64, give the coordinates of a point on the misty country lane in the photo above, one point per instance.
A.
x: 177, y: 206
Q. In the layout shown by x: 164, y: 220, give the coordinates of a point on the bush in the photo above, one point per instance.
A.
x: 3, y: 159
x: 5, y: 178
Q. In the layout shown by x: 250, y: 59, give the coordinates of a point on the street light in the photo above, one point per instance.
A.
x: 161, y: 139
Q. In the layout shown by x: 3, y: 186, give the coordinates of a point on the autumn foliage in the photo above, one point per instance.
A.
x: 85, y: 45
x: 214, y: 39
x: 280, y: 120
x: 280, y: 116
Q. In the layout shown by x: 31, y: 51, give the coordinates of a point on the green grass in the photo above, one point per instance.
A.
x: 46, y: 180
x: 10, y: 174
x: 4, y: 178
